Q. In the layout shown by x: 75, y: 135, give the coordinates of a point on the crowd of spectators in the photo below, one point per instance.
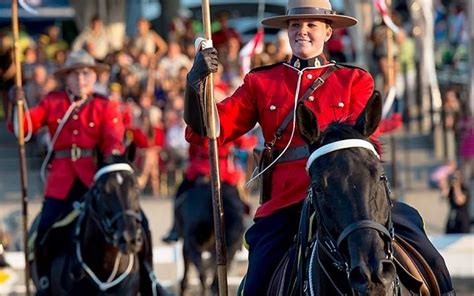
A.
x: 148, y: 77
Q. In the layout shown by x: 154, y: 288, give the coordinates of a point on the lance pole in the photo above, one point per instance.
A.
x: 218, y: 210
x: 21, y: 141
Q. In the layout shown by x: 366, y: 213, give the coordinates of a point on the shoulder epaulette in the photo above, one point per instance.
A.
x: 344, y: 65
x: 265, y: 67
x: 99, y: 96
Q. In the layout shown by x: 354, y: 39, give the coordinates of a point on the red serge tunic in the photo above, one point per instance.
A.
x: 96, y: 124
x: 267, y: 95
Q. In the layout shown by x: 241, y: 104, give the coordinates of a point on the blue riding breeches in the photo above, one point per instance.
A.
x: 268, y: 240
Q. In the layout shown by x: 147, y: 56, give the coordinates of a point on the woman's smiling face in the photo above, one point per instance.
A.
x: 307, y: 37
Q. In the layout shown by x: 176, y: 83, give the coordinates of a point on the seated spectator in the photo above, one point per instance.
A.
x: 147, y: 40
x: 173, y: 61
x: 30, y: 62
x: 51, y: 42
x: 149, y: 136
x: 94, y: 39
x: 35, y: 87
x: 221, y: 36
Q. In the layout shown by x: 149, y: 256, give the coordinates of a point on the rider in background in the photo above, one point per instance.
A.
x: 81, y: 124
x: 266, y: 96
x: 199, y: 170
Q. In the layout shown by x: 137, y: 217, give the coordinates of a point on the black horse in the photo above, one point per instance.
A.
x: 346, y: 242
x: 106, y: 241
x: 195, y: 224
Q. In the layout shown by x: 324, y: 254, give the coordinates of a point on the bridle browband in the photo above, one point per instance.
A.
x: 113, y: 168
x: 324, y: 239
x: 105, y: 227
x: 339, y: 145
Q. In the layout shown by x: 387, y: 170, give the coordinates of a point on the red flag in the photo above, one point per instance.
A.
x: 253, y: 47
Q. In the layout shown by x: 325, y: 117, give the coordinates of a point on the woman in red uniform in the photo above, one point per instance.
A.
x: 266, y: 96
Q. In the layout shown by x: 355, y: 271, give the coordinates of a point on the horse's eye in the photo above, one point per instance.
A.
x: 317, y: 189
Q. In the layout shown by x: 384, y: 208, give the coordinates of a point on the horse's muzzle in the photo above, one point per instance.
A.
x: 373, y: 280
x: 129, y: 242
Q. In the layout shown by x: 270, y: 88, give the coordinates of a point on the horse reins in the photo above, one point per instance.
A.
x: 112, y: 279
x: 324, y: 239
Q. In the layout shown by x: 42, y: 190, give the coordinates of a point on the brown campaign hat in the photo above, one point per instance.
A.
x: 301, y: 9
x: 80, y: 59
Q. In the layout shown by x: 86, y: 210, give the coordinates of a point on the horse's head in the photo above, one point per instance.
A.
x: 114, y: 204
x: 351, y: 197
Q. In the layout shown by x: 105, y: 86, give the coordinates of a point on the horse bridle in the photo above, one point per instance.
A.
x: 105, y: 223
x: 106, y: 229
x: 324, y: 240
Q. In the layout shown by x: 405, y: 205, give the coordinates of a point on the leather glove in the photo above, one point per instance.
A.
x: 205, y: 63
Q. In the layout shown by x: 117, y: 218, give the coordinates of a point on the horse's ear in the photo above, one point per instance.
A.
x: 307, y: 124
x: 370, y: 117
x: 130, y: 151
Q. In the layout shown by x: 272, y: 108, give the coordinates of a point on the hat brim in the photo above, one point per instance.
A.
x: 99, y: 67
x: 336, y: 21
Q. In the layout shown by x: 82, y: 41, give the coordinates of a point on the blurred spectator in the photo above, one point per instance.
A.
x: 232, y: 74
x: 439, y: 178
x: 466, y: 144
x: 173, y: 61
x: 224, y: 33
x: 451, y: 111
x: 283, y: 46
x: 147, y: 40
x: 102, y: 84
x: 30, y: 62
x: 379, y: 54
x: 406, y: 78
x: 7, y: 70
x: 57, y: 62
x: 141, y: 67
x: 51, y: 42
x: 176, y: 144
x: 458, y: 25
x: 94, y: 39
x: 181, y: 27
x: 35, y: 88
x: 459, y: 198
x: 25, y: 41
x: 149, y: 137
x: 340, y: 46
